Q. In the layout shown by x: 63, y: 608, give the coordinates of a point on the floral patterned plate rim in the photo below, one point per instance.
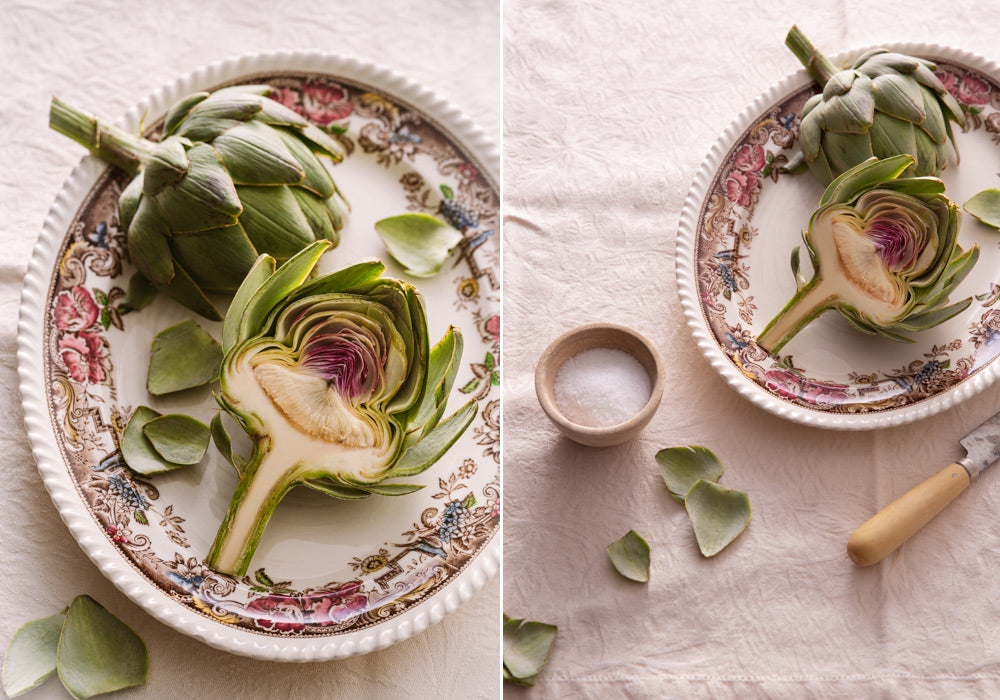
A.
x: 741, y: 219
x: 396, y: 566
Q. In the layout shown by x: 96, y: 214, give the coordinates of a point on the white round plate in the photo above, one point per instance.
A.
x: 330, y: 578
x: 739, y: 224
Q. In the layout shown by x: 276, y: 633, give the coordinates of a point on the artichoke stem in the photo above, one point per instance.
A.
x: 809, y: 302
x: 264, y: 482
x: 819, y: 66
x: 109, y: 142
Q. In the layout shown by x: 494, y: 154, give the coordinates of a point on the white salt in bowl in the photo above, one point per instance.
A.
x: 592, y: 336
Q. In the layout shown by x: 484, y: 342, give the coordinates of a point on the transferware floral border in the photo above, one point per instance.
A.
x: 725, y: 232
x: 86, y: 300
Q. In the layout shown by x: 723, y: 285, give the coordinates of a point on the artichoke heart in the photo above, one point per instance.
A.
x: 884, y: 253
x: 336, y: 384
x: 235, y: 175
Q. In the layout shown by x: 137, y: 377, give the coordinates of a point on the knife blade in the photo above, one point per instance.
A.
x: 885, y: 531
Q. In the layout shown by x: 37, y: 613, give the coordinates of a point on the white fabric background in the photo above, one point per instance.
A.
x: 104, y: 56
x: 609, y: 109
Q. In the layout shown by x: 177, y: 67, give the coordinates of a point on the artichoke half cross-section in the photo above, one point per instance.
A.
x: 235, y: 175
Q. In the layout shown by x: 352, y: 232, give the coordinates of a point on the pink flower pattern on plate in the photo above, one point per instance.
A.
x: 75, y: 310
x: 290, y: 613
x: 743, y: 180
x: 792, y: 386
x: 969, y: 89
x: 325, y: 102
x: 85, y: 356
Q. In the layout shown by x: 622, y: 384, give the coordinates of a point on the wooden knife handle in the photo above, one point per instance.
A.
x: 899, y: 520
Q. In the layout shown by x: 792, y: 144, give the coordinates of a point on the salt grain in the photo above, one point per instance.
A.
x: 601, y: 387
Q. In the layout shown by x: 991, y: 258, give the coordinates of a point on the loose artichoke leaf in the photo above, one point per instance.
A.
x: 526, y: 646
x: 137, y: 451
x: 419, y: 242
x: 718, y: 515
x: 140, y: 294
x: 681, y: 467
x: 261, y: 270
x: 178, y: 438
x: 183, y: 356
x: 426, y: 452
x: 223, y: 443
x: 985, y: 206
x: 284, y: 280
x: 31, y: 654
x: 98, y: 653
x: 630, y: 556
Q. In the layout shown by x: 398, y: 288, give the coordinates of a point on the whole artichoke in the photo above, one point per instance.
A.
x: 884, y: 254
x: 235, y: 175
x: 337, y: 386
x: 886, y: 104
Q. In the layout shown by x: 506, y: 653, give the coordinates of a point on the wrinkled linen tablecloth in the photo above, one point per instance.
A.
x: 105, y: 56
x: 609, y: 110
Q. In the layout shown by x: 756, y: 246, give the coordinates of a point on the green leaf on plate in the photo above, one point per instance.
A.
x: 178, y: 438
x: 985, y: 206
x: 418, y: 242
x: 137, y: 451
x: 98, y: 653
x: 718, y: 514
x: 183, y: 356
x: 630, y: 555
x: 31, y: 655
x: 526, y: 647
x: 681, y: 467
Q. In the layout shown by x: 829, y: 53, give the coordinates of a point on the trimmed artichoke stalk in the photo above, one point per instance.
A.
x: 886, y: 104
x: 884, y: 254
x: 337, y: 386
x: 234, y: 176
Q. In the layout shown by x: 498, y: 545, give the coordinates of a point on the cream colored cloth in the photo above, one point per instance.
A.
x: 609, y: 109
x: 104, y: 56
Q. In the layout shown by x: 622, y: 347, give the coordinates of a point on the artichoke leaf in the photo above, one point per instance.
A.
x: 347, y: 493
x: 682, y: 467
x: 419, y: 242
x: 255, y: 155
x: 630, y: 556
x: 137, y: 451
x: 224, y: 444
x: 442, y: 369
x: 317, y: 178
x: 317, y: 214
x: 718, y: 515
x: 198, y: 254
x: 284, y: 280
x: 218, y: 114
x: 180, y: 110
x: 31, y: 654
x: 424, y: 453
x: 177, y: 438
x: 274, y: 221
x: 853, y: 111
x: 167, y: 164
x: 259, y: 273
x: 203, y: 199
x: 183, y: 356
x: 186, y: 291
x: 526, y: 648
x: 147, y: 242
x: 128, y: 201
x: 98, y: 653
x: 900, y: 97
x: 985, y: 206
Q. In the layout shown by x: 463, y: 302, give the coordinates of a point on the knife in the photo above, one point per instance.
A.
x: 898, y: 521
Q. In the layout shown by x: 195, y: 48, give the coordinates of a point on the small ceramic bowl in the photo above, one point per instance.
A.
x: 588, y: 337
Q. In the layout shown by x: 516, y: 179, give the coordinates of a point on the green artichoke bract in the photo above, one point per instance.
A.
x: 336, y: 384
x: 235, y: 175
x: 884, y: 253
x: 886, y: 104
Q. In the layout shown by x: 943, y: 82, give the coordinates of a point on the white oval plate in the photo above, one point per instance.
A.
x: 330, y: 578
x: 738, y: 226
